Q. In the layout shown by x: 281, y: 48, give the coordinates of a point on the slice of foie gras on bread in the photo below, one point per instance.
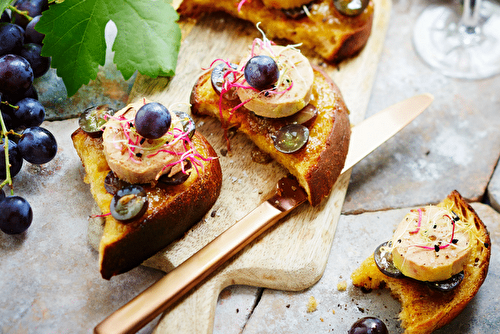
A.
x: 318, y: 164
x: 172, y: 209
x: 424, y: 309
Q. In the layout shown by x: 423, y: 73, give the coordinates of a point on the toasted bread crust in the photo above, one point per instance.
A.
x: 317, y: 165
x: 172, y: 209
x: 425, y: 310
x: 327, y: 32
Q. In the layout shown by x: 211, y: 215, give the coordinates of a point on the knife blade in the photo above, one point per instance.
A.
x: 365, y: 137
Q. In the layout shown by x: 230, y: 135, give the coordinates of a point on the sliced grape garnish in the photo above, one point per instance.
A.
x: 92, y: 119
x: 16, y: 215
x: 261, y: 72
x: 447, y: 285
x: 305, y: 116
x: 368, y: 325
x: 291, y: 138
x: 297, y: 13
x: 37, y: 145
x: 383, y: 260
x: 16, y: 74
x: 129, y: 203
x: 177, y: 178
x: 351, y: 7
x: 152, y: 120
x: 15, y: 159
x: 218, y: 77
x: 187, y: 122
x: 113, y: 183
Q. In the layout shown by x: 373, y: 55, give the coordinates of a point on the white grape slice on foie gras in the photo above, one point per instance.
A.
x: 295, y: 70
x: 150, y: 157
x: 434, y: 251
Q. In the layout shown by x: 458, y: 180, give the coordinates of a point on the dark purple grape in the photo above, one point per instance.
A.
x: 351, y: 7
x: 5, y: 17
x: 9, y: 122
x: 368, y: 325
x: 14, y: 98
x: 2, y: 194
x: 261, y: 72
x: 112, y: 183
x: 178, y: 178
x: 31, y: 35
x: 15, y: 215
x: 11, y: 38
x: 152, y: 120
x: 16, y: 74
x: 15, y: 159
x: 129, y: 203
x: 33, y: 7
x: 37, y: 145
x: 30, y: 113
x: 32, y: 53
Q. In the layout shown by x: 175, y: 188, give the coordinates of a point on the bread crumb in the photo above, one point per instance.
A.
x: 312, y: 305
x: 333, y: 311
x: 342, y: 285
x: 321, y: 319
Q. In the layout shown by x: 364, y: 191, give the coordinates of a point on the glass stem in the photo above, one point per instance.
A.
x: 470, y: 16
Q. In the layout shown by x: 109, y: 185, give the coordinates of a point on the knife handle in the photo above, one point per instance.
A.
x: 158, y: 297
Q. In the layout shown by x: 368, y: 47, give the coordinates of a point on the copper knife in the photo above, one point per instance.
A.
x: 365, y: 137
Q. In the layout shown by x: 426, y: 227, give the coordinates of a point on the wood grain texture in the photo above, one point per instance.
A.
x: 294, y: 253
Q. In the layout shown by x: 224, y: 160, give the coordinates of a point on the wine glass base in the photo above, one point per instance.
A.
x: 455, y: 50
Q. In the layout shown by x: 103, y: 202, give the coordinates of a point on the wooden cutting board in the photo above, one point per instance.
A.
x: 293, y: 254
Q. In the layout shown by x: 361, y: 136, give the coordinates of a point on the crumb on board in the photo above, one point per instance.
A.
x: 333, y: 311
x: 312, y: 305
x: 342, y: 285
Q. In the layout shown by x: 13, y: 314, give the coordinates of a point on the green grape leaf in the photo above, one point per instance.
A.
x: 148, y: 38
x: 4, y: 4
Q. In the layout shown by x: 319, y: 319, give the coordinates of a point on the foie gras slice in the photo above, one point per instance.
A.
x: 431, y: 244
x: 295, y: 71
x: 135, y: 159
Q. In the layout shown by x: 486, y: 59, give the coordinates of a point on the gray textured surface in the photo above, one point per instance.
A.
x: 49, y: 282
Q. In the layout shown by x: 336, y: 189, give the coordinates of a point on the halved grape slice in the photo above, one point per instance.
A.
x: 351, y: 7
x: 291, y: 138
x: 217, y: 78
x: 129, y: 203
x: 92, y: 119
x: 383, y: 260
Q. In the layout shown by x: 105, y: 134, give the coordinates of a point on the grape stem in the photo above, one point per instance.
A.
x: 8, y: 178
x: 20, y: 12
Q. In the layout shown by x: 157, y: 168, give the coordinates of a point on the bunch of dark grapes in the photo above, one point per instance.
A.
x: 21, y: 114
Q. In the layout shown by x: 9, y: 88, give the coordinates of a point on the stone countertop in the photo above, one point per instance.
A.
x: 49, y: 279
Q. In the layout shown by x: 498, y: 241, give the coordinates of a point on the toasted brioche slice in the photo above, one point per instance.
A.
x: 425, y: 310
x: 172, y: 210
x: 317, y: 165
x: 325, y: 30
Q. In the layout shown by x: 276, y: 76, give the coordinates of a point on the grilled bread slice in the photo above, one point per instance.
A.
x: 172, y: 210
x: 423, y: 309
x: 318, y: 164
x: 324, y: 30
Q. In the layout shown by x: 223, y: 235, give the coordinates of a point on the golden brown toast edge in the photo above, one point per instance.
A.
x: 425, y: 310
x: 332, y: 44
x: 316, y: 172
x: 171, y: 213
